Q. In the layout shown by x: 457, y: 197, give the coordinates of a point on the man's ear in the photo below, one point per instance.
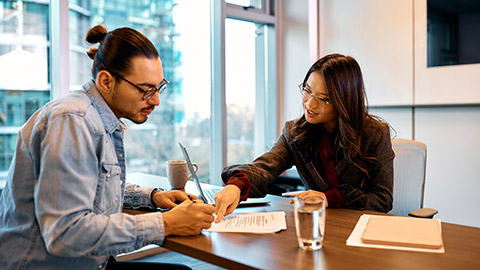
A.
x: 105, y: 82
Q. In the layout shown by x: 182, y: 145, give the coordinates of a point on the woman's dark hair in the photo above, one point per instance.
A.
x: 117, y: 48
x: 344, y: 83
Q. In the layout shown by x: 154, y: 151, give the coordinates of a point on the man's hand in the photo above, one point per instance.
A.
x: 168, y: 199
x: 188, y: 218
x: 309, y: 193
x: 226, y: 200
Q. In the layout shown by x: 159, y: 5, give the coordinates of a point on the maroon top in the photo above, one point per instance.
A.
x: 335, y: 197
x: 243, y: 183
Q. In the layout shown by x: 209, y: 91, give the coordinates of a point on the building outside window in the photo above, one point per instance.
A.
x: 183, y: 45
x: 184, y: 35
x: 24, y: 85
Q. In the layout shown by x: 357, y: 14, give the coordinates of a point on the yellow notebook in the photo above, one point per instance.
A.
x: 403, y: 231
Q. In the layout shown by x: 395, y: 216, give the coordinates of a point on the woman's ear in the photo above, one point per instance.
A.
x: 105, y: 82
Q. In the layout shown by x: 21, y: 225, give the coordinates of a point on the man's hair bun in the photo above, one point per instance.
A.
x: 95, y: 35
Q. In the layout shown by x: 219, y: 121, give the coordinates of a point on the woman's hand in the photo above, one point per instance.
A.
x: 226, y: 200
x: 168, y: 199
x: 309, y: 193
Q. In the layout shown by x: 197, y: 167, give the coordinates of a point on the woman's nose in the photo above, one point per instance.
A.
x: 311, y: 103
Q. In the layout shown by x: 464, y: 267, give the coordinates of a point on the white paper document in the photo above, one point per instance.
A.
x: 355, y: 239
x: 263, y: 222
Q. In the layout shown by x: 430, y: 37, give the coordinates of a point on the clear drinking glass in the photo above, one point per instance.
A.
x: 310, y: 221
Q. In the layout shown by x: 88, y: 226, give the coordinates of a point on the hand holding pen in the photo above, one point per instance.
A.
x: 171, y: 198
x: 190, y: 197
x: 189, y: 217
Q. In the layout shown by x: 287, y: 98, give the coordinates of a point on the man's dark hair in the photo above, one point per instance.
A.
x: 117, y: 48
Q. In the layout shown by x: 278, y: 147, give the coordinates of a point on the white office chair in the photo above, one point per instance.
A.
x: 409, y: 178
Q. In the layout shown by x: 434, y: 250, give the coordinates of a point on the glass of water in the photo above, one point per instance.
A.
x: 310, y: 221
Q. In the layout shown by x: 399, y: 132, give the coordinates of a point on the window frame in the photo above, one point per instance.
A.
x: 267, y: 78
x: 60, y: 49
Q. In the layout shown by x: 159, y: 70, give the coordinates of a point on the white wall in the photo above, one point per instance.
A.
x: 380, y: 35
x: 363, y: 29
x: 295, y: 55
x: 400, y: 119
x: 457, y: 84
x: 453, y: 151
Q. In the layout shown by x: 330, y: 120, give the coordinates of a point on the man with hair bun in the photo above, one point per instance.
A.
x: 62, y: 204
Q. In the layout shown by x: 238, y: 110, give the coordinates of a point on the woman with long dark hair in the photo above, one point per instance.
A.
x: 341, y: 152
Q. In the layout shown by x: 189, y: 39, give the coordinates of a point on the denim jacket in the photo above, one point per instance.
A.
x: 61, y: 206
x: 372, y: 192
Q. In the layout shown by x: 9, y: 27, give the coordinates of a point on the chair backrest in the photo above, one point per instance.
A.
x: 409, y: 175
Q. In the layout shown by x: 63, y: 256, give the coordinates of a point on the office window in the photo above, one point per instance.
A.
x: 184, y: 48
x: 190, y: 37
x: 24, y: 83
x: 244, y: 123
x: 240, y: 89
x: 246, y: 3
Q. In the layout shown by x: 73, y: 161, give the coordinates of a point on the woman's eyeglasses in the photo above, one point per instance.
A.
x: 307, y: 94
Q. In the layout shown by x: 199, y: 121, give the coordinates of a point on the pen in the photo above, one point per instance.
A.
x: 191, y: 198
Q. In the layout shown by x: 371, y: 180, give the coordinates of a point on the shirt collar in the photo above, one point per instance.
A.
x: 110, y: 121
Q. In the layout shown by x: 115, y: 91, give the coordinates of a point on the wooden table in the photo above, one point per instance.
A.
x: 280, y: 250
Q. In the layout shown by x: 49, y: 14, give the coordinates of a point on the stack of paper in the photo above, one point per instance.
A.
x: 264, y: 222
x: 403, y: 231
x: 394, y: 232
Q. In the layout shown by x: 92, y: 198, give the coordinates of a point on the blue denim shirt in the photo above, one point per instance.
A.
x: 61, y: 206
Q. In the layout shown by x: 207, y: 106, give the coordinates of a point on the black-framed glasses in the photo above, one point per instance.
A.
x: 147, y: 94
x: 307, y: 94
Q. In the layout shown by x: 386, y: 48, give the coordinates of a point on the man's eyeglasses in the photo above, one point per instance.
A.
x: 147, y: 94
x: 307, y: 94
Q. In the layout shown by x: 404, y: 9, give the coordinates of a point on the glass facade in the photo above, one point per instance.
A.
x: 240, y: 90
x: 24, y: 85
x: 168, y: 25
x: 181, y: 31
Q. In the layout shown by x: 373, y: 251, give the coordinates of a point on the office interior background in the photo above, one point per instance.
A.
x: 234, y: 67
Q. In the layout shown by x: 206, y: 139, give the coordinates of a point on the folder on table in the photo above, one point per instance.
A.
x: 403, y: 231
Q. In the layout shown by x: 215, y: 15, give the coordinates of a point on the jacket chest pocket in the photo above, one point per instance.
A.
x: 109, y: 188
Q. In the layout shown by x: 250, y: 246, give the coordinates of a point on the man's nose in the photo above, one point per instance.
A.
x: 154, y: 100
